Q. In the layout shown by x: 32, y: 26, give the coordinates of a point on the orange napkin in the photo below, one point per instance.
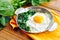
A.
x: 54, y: 35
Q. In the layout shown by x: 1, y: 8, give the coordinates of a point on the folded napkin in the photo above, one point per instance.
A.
x: 54, y: 35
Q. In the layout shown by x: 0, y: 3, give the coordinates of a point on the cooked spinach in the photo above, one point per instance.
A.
x: 23, y: 17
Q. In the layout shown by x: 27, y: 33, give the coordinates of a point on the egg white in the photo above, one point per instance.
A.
x: 38, y: 27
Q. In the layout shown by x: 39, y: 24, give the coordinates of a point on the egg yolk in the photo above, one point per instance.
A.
x: 38, y: 19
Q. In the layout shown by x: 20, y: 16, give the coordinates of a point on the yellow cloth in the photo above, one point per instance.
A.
x: 54, y: 35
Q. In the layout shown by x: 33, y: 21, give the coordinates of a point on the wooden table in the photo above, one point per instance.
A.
x: 9, y: 34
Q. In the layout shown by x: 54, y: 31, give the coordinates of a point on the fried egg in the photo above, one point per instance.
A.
x: 38, y: 22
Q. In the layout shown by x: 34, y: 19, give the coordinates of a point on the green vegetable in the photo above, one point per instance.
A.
x: 3, y: 21
x: 27, y: 28
x: 23, y: 17
x: 6, y: 9
x: 20, y: 3
x: 1, y: 26
x: 35, y: 2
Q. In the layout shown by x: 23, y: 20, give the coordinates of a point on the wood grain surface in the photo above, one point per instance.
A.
x: 54, y: 4
x: 9, y: 34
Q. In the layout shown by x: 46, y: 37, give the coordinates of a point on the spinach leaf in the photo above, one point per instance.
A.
x: 19, y: 3
x: 1, y: 26
x: 35, y: 2
x: 3, y: 21
x: 6, y: 9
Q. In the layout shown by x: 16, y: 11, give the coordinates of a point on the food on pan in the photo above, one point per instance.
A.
x: 23, y: 18
x: 33, y: 21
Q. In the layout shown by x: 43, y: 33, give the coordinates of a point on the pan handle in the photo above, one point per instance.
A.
x: 53, y: 27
